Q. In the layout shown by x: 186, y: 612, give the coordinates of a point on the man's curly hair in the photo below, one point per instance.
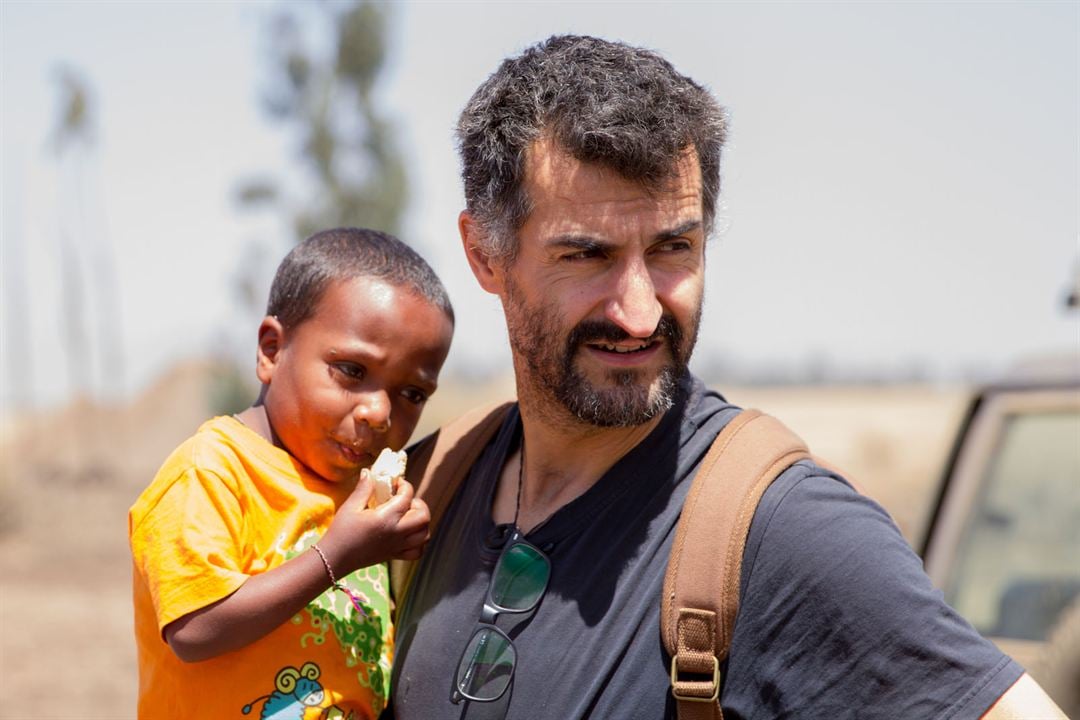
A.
x: 603, y: 102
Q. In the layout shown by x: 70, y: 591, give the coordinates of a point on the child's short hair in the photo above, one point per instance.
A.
x: 344, y: 254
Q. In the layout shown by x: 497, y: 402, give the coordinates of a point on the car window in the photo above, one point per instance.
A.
x: 1019, y: 554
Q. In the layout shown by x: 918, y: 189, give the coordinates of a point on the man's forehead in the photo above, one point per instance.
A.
x: 545, y: 158
x: 551, y: 171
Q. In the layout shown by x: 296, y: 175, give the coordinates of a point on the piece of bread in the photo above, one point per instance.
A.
x: 387, y: 469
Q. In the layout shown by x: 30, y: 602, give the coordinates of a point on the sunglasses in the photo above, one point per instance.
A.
x: 518, y: 583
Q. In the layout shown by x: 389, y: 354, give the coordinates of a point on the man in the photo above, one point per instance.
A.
x: 591, y: 174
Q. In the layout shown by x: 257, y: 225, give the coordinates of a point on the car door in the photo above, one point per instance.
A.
x: 1005, y: 544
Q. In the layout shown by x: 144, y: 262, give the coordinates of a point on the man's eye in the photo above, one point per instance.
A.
x: 350, y: 370
x: 586, y: 254
x: 673, y: 246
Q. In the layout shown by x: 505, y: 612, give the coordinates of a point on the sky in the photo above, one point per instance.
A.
x: 900, y: 190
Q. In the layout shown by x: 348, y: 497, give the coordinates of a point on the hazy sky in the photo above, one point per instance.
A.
x: 901, y: 185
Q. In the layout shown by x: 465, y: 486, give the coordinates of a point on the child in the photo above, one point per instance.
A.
x: 259, y: 583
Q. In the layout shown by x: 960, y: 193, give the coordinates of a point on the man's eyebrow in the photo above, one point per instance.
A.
x: 578, y: 242
x: 679, y: 230
x: 589, y: 242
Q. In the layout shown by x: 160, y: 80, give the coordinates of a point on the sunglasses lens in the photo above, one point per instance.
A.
x: 486, y: 666
x: 520, y: 578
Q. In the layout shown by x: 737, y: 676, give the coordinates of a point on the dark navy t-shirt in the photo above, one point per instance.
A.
x: 837, y: 617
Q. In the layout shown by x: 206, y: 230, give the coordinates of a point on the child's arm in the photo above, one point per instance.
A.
x: 357, y: 537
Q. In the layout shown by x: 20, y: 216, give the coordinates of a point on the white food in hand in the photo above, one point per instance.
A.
x: 385, y: 471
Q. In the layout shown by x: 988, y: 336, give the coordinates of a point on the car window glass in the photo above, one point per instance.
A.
x: 1019, y: 555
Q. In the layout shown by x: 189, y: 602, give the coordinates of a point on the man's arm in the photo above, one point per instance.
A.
x: 1025, y: 700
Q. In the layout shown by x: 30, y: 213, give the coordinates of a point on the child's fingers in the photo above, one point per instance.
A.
x: 421, y: 511
x: 417, y: 517
x: 362, y: 492
x: 412, y: 546
x: 364, y: 485
x: 405, y: 488
x: 410, y: 554
x: 402, y: 499
x: 398, y: 505
x: 414, y: 524
x: 417, y: 537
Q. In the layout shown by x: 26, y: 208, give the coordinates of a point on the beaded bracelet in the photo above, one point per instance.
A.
x: 335, y: 584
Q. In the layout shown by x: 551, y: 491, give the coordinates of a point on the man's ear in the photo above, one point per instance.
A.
x: 271, y: 341
x: 488, y: 272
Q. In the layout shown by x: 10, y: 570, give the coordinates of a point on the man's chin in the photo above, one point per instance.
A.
x: 620, y: 399
x: 603, y: 379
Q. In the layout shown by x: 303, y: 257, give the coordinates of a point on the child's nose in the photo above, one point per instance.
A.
x: 373, y: 409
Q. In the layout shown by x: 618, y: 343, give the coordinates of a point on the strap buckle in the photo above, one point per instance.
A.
x: 696, y: 687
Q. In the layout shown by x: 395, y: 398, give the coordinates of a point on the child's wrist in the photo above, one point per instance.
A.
x: 327, y: 566
x: 334, y: 582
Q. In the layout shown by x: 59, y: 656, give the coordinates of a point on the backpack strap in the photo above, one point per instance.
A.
x: 437, y: 466
x: 701, y: 587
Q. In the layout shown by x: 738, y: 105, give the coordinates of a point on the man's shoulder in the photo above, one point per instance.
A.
x: 810, y: 502
x: 828, y: 577
x: 459, y: 439
x: 472, y: 420
x: 815, y: 535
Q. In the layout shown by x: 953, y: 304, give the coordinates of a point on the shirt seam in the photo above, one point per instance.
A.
x: 960, y: 705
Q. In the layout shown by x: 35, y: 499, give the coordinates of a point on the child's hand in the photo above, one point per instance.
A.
x: 360, y: 536
x: 410, y: 517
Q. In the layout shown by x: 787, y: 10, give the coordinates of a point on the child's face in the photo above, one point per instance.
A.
x: 353, y: 378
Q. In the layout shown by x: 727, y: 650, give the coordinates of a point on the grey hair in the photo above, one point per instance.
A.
x: 604, y: 102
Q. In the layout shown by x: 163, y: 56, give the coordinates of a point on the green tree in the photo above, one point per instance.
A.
x: 345, y: 142
x: 325, y: 60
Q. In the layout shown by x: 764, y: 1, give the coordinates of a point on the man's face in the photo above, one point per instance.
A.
x: 354, y: 377
x: 603, y: 298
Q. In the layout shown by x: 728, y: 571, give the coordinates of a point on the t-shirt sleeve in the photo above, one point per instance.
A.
x: 188, y: 545
x: 838, y: 618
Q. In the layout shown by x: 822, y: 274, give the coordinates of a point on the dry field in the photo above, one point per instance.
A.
x: 67, y: 479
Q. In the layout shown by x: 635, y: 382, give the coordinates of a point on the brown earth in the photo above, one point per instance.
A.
x: 67, y: 479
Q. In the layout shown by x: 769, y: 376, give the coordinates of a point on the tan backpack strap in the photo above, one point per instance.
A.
x: 701, y: 587
x: 437, y: 466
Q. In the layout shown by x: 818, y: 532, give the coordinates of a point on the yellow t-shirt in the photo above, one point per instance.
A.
x: 227, y: 505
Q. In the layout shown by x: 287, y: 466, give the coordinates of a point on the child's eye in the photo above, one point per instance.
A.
x: 417, y: 397
x: 350, y: 370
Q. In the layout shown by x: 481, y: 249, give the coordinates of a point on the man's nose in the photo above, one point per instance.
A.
x: 373, y: 408
x: 633, y: 304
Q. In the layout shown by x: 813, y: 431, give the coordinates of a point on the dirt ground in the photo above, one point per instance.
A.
x: 68, y: 478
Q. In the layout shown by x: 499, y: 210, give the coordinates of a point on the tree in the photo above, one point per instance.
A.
x: 345, y: 143
x: 84, y: 249
x: 324, y: 92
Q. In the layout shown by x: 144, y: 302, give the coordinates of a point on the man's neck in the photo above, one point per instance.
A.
x: 564, y: 457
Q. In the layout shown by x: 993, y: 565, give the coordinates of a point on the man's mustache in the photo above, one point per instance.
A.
x: 607, y: 331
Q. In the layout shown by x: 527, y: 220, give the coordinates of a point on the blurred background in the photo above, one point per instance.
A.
x: 900, y: 224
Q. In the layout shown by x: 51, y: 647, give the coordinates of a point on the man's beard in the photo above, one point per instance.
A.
x: 633, y: 399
